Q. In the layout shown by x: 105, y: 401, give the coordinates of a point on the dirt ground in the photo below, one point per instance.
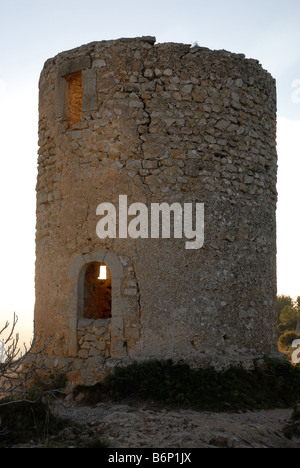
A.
x: 137, y: 426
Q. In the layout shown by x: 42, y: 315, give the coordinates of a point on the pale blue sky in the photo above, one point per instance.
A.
x: 31, y: 31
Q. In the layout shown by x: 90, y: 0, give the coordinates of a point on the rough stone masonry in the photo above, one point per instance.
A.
x: 159, y: 123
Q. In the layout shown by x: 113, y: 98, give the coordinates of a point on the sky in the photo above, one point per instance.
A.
x: 31, y: 31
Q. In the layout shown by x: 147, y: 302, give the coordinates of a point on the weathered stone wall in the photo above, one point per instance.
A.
x: 158, y: 123
x: 93, y: 338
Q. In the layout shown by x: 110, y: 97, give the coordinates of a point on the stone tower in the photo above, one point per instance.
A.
x: 130, y: 121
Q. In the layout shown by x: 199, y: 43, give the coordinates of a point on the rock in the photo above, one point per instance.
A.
x: 125, y: 426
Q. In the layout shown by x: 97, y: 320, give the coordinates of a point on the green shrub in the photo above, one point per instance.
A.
x: 271, y: 384
x: 26, y: 420
x: 285, y: 341
x: 288, y: 318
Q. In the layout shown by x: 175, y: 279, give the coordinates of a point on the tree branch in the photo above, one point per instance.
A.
x: 24, y: 374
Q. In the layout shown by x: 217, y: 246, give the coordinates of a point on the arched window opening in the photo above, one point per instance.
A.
x: 97, y: 292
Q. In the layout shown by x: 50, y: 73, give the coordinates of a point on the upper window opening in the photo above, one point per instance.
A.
x: 97, y: 292
x: 74, y: 97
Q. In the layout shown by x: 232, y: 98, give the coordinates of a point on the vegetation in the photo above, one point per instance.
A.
x: 271, y: 384
x: 24, y: 375
x: 292, y: 429
x: 23, y: 421
x: 33, y: 422
x: 27, y: 390
x: 288, y: 312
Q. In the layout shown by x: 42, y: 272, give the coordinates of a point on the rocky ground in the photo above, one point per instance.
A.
x: 137, y: 426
